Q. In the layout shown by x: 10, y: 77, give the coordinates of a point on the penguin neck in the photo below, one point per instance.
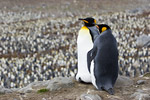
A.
x: 107, y: 33
x: 85, y: 27
x: 94, y: 32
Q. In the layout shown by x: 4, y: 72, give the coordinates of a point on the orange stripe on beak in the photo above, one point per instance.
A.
x: 97, y: 26
x: 85, y: 21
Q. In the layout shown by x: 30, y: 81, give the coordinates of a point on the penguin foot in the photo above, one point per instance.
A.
x: 81, y: 81
x: 110, y: 91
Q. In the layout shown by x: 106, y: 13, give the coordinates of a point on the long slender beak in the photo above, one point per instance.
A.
x: 81, y: 19
x: 97, y: 26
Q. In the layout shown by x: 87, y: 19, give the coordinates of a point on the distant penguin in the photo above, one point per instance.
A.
x: 85, y: 39
x: 105, y: 54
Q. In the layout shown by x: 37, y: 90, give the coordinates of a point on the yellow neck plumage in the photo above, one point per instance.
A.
x: 85, y: 33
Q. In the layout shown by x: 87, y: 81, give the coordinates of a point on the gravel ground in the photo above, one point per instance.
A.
x: 38, y: 38
x: 123, y: 91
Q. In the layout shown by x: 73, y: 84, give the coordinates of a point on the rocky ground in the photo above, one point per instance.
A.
x: 38, y: 39
x: 66, y: 88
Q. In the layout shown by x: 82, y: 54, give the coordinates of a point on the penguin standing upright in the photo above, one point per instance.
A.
x: 105, y: 54
x: 84, y: 44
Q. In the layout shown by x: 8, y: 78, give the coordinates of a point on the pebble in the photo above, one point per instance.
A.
x: 123, y: 81
x: 143, y: 40
x: 140, y: 82
x: 44, y: 99
x: 141, y: 95
x: 115, y: 98
x: 90, y: 97
x: 27, y: 89
x: 4, y: 90
x: 59, y: 83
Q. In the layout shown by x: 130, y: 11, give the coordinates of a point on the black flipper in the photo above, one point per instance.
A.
x: 89, y: 60
x: 90, y: 56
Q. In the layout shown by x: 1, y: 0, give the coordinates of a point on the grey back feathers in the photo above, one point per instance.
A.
x: 94, y: 32
x: 105, y: 55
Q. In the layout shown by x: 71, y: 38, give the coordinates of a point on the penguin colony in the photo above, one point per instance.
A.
x: 40, y: 49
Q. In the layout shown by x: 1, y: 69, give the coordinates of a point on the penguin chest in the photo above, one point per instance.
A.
x: 84, y: 40
x: 84, y: 44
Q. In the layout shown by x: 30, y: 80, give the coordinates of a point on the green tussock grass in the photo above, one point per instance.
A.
x: 42, y: 90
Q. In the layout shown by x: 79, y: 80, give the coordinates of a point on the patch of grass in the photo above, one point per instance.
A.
x: 42, y: 90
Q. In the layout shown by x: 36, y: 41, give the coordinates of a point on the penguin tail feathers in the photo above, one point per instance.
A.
x: 110, y: 91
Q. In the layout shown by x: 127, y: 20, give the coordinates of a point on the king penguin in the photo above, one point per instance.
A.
x: 85, y: 40
x: 105, y: 54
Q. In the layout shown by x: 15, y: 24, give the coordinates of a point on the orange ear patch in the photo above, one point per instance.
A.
x: 104, y: 28
x: 94, y: 21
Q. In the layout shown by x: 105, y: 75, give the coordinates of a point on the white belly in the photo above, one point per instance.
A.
x: 93, y: 79
x: 84, y: 44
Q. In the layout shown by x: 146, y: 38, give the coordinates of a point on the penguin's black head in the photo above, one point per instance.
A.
x: 89, y: 21
x: 102, y: 27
